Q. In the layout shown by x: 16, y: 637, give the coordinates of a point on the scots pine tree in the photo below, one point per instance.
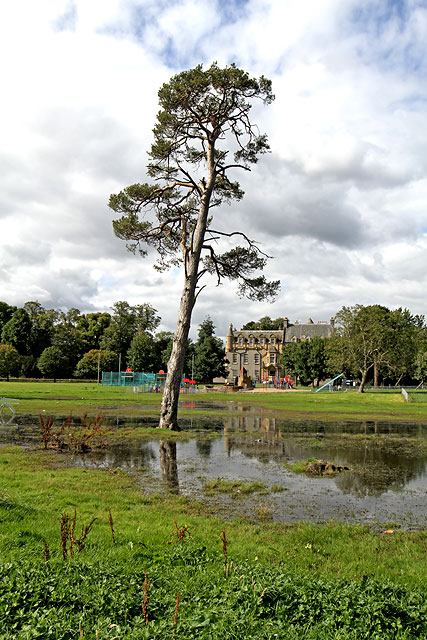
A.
x: 202, y: 135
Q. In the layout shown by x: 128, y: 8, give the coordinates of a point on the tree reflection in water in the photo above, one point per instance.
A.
x: 204, y: 447
x: 168, y: 465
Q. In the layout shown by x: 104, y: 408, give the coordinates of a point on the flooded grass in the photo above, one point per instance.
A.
x: 387, y: 462
x: 65, y: 398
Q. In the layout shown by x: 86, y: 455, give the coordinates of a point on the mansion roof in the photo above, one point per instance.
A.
x: 289, y: 333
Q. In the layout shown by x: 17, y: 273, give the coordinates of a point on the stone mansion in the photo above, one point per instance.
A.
x: 259, y: 351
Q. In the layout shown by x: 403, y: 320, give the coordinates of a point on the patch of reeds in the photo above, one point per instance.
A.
x: 181, y: 533
x: 73, y: 435
x: 68, y: 538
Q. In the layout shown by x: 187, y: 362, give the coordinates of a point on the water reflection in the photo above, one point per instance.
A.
x: 204, y: 447
x: 388, y: 462
x: 382, y: 456
x: 129, y: 458
x: 168, y: 465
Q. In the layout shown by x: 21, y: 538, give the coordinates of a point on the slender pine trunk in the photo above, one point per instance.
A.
x: 170, y: 400
x: 169, y: 407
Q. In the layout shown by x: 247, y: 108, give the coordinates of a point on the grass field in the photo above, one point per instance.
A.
x: 66, y: 398
x: 86, y: 553
x: 235, y: 579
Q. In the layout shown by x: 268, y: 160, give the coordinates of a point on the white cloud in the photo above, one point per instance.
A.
x: 340, y: 201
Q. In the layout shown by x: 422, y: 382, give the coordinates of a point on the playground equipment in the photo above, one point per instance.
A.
x: 278, y: 383
x: 188, y: 385
x: 140, y: 382
x: 329, y: 384
x: 7, y: 410
x: 146, y: 381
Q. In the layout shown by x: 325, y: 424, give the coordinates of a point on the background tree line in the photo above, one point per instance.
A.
x: 38, y: 342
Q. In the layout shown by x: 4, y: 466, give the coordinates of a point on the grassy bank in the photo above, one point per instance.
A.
x: 63, y: 398
x: 255, y: 581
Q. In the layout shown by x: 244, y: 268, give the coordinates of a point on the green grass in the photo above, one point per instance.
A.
x: 235, y: 488
x: 301, y: 466
x: 295, y: 581
x: 65, y: 398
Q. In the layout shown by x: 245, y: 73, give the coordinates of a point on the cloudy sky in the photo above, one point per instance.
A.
x: 341, y: 202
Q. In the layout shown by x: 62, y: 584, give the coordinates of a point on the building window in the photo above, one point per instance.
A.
x: 240, y: 341
x: 251, y: 342
x: 234, y: 373
x: 272, y: 358
x: 262, y: 342
x: 256, y: 358
x: 257, y: 374
x: 272, y: 340
x: 234, y: 358
x: 245, y: 358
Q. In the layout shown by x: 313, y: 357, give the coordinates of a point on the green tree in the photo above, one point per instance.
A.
x: 40, y: 336
x: 9, y: 361
x: 306, y: 360
x: 420, y: 360
x: 362, y: 341
x: 252, y: 325
x: 67, y: 340
x: 290, y: 359
x: 407, y: 330
x: 6, y: 313
x: 142, y: 355
x: 202, y: 115
x: 91, y: 328
x: 87, y: 366
x: 163, y: 342
x: 265, y: 323
x: 125, y: 322
x: 16, y: 331
x: 420, y: 368
x: 53, y: 363
x: 209, y: 354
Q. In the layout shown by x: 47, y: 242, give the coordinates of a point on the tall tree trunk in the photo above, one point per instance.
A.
x: 375, y: 374
x: 169, y: 407
x: 363, y: 381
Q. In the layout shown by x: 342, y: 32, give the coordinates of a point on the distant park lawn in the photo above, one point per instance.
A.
x: 65, y: 398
